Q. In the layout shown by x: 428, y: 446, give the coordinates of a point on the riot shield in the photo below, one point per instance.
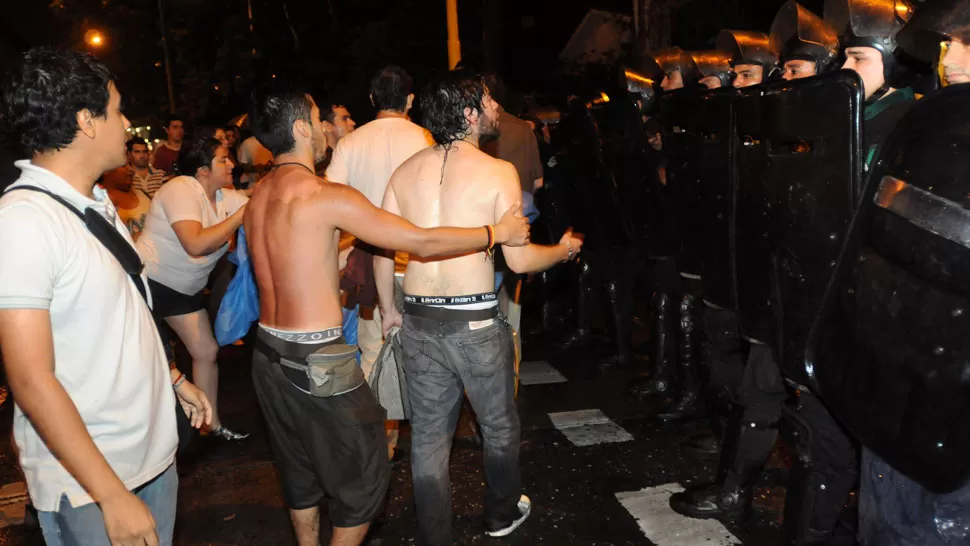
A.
x: 812, y: 130
x: 616, y: 176
x: 889, y: 351
x: 752, y: 220
x: 715, y: 125
x: 677, y: 114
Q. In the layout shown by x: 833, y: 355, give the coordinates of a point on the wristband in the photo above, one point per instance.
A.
x: 491, y: 237
x: 179, y: 381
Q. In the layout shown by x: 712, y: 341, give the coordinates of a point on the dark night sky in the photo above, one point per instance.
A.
x: 338, y: 60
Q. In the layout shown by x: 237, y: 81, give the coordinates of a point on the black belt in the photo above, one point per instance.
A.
x: 441, y: 313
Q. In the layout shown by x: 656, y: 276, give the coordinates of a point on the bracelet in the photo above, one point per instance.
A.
x: 569, y: 251
x: 178, y: 382
x: 491, y: 237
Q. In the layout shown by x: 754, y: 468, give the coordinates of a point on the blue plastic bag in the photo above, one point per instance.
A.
x: 239, y: 308
x: 351, y: 318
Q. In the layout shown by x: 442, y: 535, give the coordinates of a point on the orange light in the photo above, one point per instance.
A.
x: 94, y: 38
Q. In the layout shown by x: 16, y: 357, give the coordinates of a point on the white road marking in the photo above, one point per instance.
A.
x: 13, y: 502
x: 539, y: 372
x: 589, y: 427
x: 664, y: 527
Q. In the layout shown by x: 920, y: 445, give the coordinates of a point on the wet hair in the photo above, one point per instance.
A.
x: 199, y: 154
x: 136, y: 140
x: 43, y: 91
x: 273, y: 111
x: 390, y: 88
x: 443, y: 105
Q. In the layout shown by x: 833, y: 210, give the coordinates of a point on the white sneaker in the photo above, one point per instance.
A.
x: 525, y: 508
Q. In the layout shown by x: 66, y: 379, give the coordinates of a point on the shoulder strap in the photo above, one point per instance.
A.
x: 106, y: 233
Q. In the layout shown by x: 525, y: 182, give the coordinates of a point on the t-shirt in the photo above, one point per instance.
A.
x: 107, y: 352
x: 133, y: 217
x: 517, y: 144
x: 164, y: 158
x: 148, y: 183
x: 366, y: 158
x: 252, y: 152
x: 166, y: 261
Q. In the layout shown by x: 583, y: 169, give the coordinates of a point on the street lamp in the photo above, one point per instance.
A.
x: 94, y: 38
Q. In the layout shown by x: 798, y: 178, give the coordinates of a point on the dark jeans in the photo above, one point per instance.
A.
x: 441, y: 359
x: 896, y: 511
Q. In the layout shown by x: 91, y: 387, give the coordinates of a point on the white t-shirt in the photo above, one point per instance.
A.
x: 166, y: 261
x: 107, y: 352
x: 252, y: 152
x: 366, y: 158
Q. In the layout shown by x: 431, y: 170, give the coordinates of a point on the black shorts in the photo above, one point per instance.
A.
x: 323, y: 447
x: 170, y: 303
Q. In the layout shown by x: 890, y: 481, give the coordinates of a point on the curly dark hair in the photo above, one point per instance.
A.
x: 199, y: 154
x: 443, y: 104
x: 42, y: 93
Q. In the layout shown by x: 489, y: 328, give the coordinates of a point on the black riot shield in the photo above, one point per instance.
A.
x: 890, y: 351
x: 812, y: 131
x: 752, y: 220
x: 621, y: 194
x: 678, y: 115
x: 715, y: 127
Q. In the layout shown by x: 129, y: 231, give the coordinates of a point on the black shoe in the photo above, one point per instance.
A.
x: 642, y: 387
x: 229, y: 435
x: 703, y: 445
x: 687, y: 406
x: 712, y: 501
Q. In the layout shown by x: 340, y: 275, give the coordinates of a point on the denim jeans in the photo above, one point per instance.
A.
x: 896, y: 511
x: 441, y: 358
x: 84, y: 525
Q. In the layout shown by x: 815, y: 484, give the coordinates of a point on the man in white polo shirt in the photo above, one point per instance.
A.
x: 365, y: 160
x: 95, y: 412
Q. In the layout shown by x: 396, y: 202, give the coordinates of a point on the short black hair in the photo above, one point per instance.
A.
x: 390, y: 88
x: 172, y: 117
x: 443, y: 104
x: 42, y: 93
x: 328, y: 110
x: 136, y: 140
x: 199, y: 154
x: 496, y: 87
x: 274, y: 110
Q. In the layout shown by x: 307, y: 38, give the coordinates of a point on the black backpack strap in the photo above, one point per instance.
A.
x: 106, y: 233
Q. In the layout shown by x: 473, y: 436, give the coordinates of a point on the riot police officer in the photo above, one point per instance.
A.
x: 752, y: 56
x: 889, y: 359
x: 715, y: 68
x: 808, y: 45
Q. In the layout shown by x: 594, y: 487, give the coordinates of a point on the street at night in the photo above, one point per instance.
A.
x: 611, y: 489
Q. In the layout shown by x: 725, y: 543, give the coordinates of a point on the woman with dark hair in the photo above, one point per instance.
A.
x: 188, y: 229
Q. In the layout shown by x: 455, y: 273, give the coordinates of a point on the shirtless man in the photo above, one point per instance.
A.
x: 453, y: 336
x: 330, y: 446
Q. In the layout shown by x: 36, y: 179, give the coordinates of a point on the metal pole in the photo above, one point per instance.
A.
x: 168, y: 61
x: 454, y: 44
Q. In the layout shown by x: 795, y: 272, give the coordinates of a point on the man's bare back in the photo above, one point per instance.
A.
x: 293, y: 247
x: 468, y: 195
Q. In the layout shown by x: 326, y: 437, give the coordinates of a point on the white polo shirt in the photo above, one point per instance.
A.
x: 166, y: 260
x: 107, y: 352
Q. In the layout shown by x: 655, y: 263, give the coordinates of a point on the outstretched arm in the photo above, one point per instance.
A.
x: 352, y: 212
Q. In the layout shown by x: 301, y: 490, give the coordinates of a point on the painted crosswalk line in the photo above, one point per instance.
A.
x: 13, y: 502
x: 539, y: 372
x: 664, y: 527
x: 588, y: 427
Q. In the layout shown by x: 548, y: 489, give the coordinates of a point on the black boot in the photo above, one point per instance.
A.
x: 664, y: 348
x: 620, y: 299
x: 688, y: 404
x: 703, y: 445
x: 747, y: 447
x: 583, y: 332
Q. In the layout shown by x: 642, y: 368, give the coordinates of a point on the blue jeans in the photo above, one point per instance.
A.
x: 441, y: 359
x: 84, y: 525
x: 896, y: 511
